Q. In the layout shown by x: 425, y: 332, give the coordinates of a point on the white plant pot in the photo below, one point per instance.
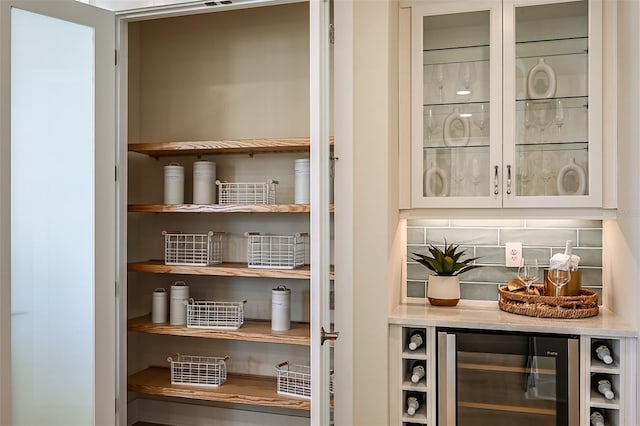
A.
x: 443, y: 291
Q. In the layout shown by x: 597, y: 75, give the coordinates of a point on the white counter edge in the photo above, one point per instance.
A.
x: 487, y: 316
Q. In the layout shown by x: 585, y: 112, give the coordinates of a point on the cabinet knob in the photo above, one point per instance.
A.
x: 328, y: 335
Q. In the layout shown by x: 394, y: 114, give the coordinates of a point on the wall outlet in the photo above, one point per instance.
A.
x: 513, y: 254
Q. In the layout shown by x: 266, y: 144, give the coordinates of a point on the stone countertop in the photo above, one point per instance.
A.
x: 487, y: 316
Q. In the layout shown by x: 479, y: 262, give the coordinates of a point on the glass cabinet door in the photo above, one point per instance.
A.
x: 550, y: 106
x: 456, y: 89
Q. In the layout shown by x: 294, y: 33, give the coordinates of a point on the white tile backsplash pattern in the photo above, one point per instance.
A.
x: 486, y: 239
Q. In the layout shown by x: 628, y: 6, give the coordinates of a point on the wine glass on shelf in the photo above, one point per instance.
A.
x: 440, y: 75
x: 546, y: 175
x: 466, y: 77
x: 475, y: 175
x: 430, y: 123
x: 559, y: 277
x: 560, y: 116
x: 480, y: 118
x: 529, y: 121
x: 543, y: 118
x: 528, y: 272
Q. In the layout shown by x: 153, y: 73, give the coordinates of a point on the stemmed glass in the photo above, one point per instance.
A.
x: 430, y: 123
x: 480, y: 118
x: 466, y: 76
x: 559, y: 277
x: 560, y: 116
x: 543, y: 118
x: 475, y: 175
x: 529, y: 121
x: 440, y: 76
x: 528, y: 272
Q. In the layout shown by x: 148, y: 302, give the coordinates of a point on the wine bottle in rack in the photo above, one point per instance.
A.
x: 416, y: 339
x: 417, y: 371
x: 414, y: 401
x: 597, y: 418
x: 603, y: 385
x: 602, y: 352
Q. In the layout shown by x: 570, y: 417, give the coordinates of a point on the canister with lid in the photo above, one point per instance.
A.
x: 204, y: 182
x: 302, y: 182
x: 280, y: 308
x: 173, y: 184
x: 159, y: 306
x: 179, y: 295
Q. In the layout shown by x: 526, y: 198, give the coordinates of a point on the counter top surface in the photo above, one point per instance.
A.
x: 487, y: 315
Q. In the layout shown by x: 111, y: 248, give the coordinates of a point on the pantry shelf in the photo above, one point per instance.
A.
x: 238, y: 389
x: 251, y: 331
x: 221, y: 208
x: 239, y: 146
x: 223, y: 270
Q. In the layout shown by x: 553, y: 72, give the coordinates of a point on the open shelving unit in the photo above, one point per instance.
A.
x: 239, y: 388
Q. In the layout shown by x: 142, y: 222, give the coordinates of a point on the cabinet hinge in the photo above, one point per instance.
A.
x: 116, y: 57
x: 116, y: 173
x: 332, y: 34
x: 116, y: 289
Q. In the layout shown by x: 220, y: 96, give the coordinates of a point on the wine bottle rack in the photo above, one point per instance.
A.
x: 420, y: 355
x: 613, y: 410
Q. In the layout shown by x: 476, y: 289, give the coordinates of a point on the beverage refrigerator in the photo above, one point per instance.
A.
x: 507, y: 378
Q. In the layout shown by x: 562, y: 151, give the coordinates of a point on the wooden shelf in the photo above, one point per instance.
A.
x: 251, y: 331
x: 239, y: 146
x: 238, y: 389
x: 221, y: 208
x: 223, y: 270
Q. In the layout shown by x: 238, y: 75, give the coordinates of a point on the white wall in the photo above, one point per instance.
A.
x: 366, y: 216
x: 622, y: 236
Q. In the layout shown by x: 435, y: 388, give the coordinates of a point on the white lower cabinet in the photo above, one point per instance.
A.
x: 616, y: 406
x: 414, y: 399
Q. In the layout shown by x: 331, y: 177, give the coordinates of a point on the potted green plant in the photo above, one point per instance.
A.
x: 447, y: 264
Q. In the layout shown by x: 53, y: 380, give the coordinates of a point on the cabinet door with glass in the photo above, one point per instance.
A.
x: 552, y: 60
x: 456, y: 129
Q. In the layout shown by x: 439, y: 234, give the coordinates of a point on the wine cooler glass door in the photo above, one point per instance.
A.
x: 506, y: 379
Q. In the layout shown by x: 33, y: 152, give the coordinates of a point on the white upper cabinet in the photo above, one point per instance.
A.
x: 505, y: 104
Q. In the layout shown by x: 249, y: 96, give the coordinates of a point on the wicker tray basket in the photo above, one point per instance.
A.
x: 571, y: 307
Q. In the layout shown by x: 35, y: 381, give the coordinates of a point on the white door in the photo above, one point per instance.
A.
x: 320, y: 222
x: 57, y: 220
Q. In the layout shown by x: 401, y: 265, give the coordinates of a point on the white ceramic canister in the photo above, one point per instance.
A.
x: 159, y: 306
x: 302, y: 182
x: 178, y: 311
x: 204, y: 182
x: 173, y: 184
x: 280, y: 308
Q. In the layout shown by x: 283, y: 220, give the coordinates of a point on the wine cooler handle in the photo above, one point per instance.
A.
x: 508, y: 179
x: 495, y: 180
x: 573, y: 385
x: 446, y: 379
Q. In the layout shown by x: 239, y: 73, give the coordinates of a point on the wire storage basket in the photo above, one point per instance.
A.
x: 222, y: 315
x: 192, y: 249
x: 275, y: 251
x: 295, y: 380
x: 198, y: 370
x: 247, y: 193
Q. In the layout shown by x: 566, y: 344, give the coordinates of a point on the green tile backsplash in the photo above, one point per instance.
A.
x: 486, y: 239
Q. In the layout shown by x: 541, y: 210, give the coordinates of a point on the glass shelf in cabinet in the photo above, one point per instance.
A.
x: 448, y: 148
x: 552, y: 47
x: 452, y: 55
x: 447, y: 104
x: 552, y: 146
x: 569, y: 101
